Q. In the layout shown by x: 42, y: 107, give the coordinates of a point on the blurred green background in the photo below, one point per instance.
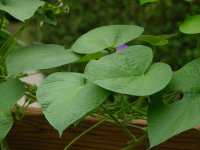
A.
x: 163, y: 17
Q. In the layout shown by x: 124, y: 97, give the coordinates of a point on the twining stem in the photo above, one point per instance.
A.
x: 31, y: 96
x: 137, y: 127
x: 69, y: 67
x: 94, y: 126
x: 154, y: 49
x: 83, y: 133
x: 138, y: 142
x: 138, y: 111
x: 1, y: 22
x: 6, y: 144
x: 2, y: 71
x: 3, y: 145
x: 135, y: 108
x: 6, y: 47
x: 124, y: 129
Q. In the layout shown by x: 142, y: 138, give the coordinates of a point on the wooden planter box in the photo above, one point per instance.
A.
x: 35, y: 133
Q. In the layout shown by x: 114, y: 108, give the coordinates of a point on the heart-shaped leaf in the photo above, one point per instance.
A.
x: 104, y: 37
x: 41, y: 56
x: 158, y: 40
x: 10, y: 92
x: 65, y: 98
x: 167, y: 120
x: 89, y: 57
x: 191, y: 25
x: 129, y: 72
x: 21, y: 9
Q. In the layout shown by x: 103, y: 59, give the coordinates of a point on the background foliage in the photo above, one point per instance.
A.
x: 163, y: 17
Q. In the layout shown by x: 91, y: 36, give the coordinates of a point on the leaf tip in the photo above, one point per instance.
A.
x: 60, y: 133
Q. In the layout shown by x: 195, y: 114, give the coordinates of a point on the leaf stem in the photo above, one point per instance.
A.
x: 83, y: 133
x: 69, y: 68
x: 124, y: 129
x: 31, y: 96
x: 1, y: 23
x: 138, y: 142
x: 94, y: 126
x: 6, y: 47
x: 138, y: 104
x: 138, y: 111
x: 3, y: 144
x: 137, y: 127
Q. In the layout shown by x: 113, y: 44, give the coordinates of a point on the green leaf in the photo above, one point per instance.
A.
x: 147, y: 1
x: 65, y: 98
x: 191, y: 25
x: 167, y: 120
x: 21, y: 9
x: 10, y: 92
x: 41, y: 56
x: 158, y: 40
x: 104, y: 37
x: 129, y: 72
x: 88, y: 57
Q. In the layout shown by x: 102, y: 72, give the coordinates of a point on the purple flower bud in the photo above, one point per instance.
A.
x: 121, y: 47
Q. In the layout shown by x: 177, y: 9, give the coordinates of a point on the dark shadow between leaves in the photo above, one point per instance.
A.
x: 171, y: 97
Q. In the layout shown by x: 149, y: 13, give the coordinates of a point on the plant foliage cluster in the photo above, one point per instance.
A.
x: 119, y: 85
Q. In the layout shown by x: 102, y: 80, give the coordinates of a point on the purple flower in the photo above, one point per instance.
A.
x: 121, y: 47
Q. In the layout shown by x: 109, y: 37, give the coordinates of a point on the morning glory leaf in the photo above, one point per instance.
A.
x: 191, y: 25
x: 10, y: 92
x: 67, y: 97
x: 147, y: 1
x: 41, y: 56
x: 168, y: 120
x: 21, y: 9
x: 89, y: 57
x: 157, y: 40
x: 104, y: 37
x: 129, y: 72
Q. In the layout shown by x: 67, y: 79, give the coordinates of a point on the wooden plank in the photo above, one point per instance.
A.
x: 35, y: 133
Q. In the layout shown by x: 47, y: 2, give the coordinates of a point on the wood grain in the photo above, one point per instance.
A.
x: 35, y: 133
